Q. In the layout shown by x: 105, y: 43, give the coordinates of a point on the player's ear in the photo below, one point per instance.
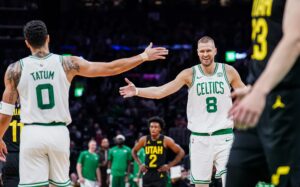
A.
x: 27, y: 44
x: 47, y: 39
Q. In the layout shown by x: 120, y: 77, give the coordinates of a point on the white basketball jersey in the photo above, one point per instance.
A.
x: 209, y: 101
x: 44, y: 90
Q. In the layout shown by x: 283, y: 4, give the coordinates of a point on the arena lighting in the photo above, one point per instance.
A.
x: 79, y: 89
x: 232, y: 56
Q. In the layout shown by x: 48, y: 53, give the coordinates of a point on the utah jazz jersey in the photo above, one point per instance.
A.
x: 44, y: 90
x: 12, y: 135
x: 209, y: 101
x: 267, y: 17
x: 155, y: 152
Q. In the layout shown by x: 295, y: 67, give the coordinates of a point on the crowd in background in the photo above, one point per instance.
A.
x: 109, y: 34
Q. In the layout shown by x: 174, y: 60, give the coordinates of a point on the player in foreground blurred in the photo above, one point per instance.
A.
x: 271, y: 150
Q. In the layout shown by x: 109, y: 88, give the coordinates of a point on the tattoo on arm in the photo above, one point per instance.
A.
x: 69, y: 65
x: 13, y: 75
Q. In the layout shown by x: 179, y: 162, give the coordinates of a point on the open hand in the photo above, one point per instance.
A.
x: 155, y: 53
x: 129, y: 90
x: 246, y: 112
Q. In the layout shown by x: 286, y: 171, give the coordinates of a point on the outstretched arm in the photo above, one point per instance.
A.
x: 9, y: 98
x: 78, y: 66
x: 183, y: 78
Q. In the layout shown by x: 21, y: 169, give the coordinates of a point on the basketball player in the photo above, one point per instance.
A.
x: 275, y: 67
x: 10, y: 170
x: 208, y: 104
x: 42, y: 81
x: 155, y: 167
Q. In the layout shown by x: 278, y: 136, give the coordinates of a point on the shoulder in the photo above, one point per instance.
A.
x: 186, y: 76
x: 13, y: 73
x: 71, y: 63
x: 231, y: 72
x: 230, y: 69
x: 187, y: 72
x: 168, y: 140
x: 143, y: 139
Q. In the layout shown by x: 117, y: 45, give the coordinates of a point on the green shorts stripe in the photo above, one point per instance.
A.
x: 194, y: 181
x: 60, y: 184
x: 36, y: 184
x: 218, y: 175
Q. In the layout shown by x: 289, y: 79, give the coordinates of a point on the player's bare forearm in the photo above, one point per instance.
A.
x: 178, y: 158
x: 124, y: 64
x: 161, y: 91
x: 79, y: 170
x: 128, y: 167
x: 135, y: 157
x: 151, y: 93
x: 98, y: 173
x: 4, y: 121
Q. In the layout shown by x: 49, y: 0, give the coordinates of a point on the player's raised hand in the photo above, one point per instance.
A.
x: 128, y: 91
x: 3, y: 151
x: 154, y: 53
x: 246, y: 113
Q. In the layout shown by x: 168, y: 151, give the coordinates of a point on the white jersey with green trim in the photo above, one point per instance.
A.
x: 209, y: 101
x: 44, y: 90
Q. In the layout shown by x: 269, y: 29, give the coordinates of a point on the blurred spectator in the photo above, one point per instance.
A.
x: 88, y: 167
x: 119, y: 163
x: 103, y: 152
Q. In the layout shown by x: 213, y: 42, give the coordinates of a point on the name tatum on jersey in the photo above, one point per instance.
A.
x: 205, y: 88
x: 42, y: 75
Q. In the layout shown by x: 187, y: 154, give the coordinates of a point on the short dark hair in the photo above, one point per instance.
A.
x: 206, y: 39
x: 35, y: 32
x: 158, y: 120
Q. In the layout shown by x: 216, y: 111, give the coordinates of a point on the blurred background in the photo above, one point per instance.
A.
x: 104, y: 30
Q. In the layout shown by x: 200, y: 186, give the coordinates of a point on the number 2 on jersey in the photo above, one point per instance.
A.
x: 42, y: 102
x: 259, y: 33
x: 153, y: 159
x: 14, y: 124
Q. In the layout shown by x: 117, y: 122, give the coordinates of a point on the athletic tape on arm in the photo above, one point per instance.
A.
x: 6, y: 108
